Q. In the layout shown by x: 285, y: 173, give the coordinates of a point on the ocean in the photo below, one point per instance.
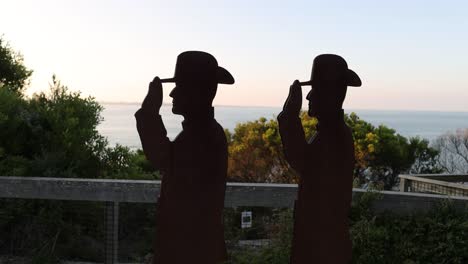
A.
x: 120, y: 128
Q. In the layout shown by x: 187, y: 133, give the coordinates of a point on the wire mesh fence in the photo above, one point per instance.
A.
x: 424, y: 187
x: 444, y: 184
x: 51, y: 230
x: 47, y: 230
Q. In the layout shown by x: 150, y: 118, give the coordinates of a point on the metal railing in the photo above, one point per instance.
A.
x: 446, y: 184
x: 113, y: 192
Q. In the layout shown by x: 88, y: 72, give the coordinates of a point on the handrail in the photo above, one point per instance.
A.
x: 442, y: 177
x: 146, y: 191
x: 137, y: 191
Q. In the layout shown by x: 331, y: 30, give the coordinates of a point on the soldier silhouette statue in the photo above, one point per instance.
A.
x: 189, y: 216
x: 324, y: 163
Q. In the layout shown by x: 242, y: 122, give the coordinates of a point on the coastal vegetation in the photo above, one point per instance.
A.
x: 255, y: 153
x: 438, y: 236
x: 54, y: 134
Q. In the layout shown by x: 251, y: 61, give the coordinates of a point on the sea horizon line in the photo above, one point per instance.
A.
x: 279, y: 107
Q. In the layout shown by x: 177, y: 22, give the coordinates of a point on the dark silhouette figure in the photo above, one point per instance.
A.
x: 325, y: 164
x: 189, y: 223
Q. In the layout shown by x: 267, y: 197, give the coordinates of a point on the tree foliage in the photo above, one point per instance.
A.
x: 255, y: 152
x: 54, y: 134
x: 13, y: 74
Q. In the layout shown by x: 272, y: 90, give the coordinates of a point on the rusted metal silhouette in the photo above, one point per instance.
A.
x: 189, y: 223
x: 325, y: 164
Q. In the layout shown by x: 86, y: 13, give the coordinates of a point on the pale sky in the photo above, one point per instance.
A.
x: 409, y: 54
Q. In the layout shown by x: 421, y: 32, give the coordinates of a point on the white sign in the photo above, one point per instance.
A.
x: 246, y: 219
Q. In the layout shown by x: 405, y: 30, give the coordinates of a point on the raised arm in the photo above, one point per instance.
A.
x: 291, y: 130
x: 153, y: 134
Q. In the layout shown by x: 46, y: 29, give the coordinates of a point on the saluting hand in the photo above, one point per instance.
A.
x: 153, y: 99
x: 293, y: 104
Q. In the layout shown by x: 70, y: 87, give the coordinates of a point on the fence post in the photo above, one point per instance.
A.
x: 112, y: 232
x: 404, y: 185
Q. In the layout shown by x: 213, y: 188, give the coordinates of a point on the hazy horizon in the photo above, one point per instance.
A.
x: 279, y: 107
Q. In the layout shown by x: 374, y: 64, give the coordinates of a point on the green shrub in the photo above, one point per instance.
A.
x: 438, y: 236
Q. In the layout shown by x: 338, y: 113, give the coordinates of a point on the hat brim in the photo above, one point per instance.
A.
x: 168, y: 80
x: 222, y: 77
x: 305, y: 83
x: 352, y: 79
